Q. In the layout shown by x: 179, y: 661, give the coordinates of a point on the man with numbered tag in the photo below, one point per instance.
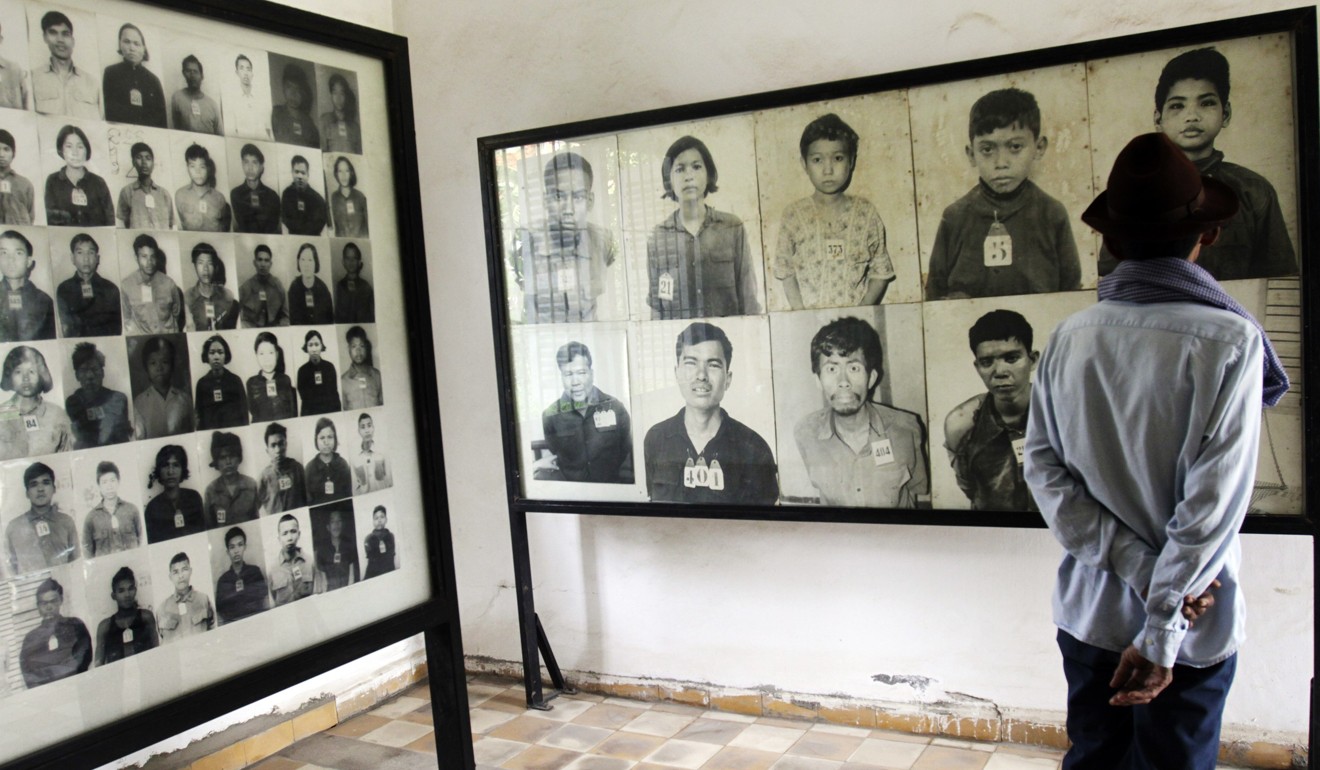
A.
x: 190, y: 108
x: 262, y: 300
x: 241, y: 591
x: 186, y: 611
x: 89, y: 305
x: 143, y: 204
x: 256, y: 207
x: 985, y: 434
x: 701, y: 454
x: 57, y: 648
x: 294, y: 577
x: 43, y: 536
x: 859, y: 452
x: 59, y: 86
x: 17, y: 197
x: 587, y: 430
x: 282, y: 485
x: 302, y: 208
x: 29, y: 313
x: 131, y: 629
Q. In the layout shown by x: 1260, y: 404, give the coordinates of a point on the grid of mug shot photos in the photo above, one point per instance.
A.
x: 192, y: 419
x: 842, y: 302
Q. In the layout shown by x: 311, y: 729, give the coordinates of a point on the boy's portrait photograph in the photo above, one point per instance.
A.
x: 370, y: 454
x: 295, y: 173
x: 850, y: 403
x: 22, y: 200
x: 578, y: 438
x: 210, y: 283
x: 37, y: 507
x: 263, y: 296
x: 184, y: 587
x: 361, y: 369
x: 293, y: 99
x: 238, y: 566
x: 193, y: 71
x: 245, y: 93
x: 690, y: 189
x: 277, y: 451
x: 254, y: 197
x: 839, y: 222
x: 203, y: 177
x: 561, y: 232
x: 978, y: 389
x: 85, y: 269
x: 1002, y: 173
x: 16, y: 82
x: 1223, y: 104
x: 354, y: 281
x: 151, y: 278
x: 380, y: 545
x: 159, y: 372
x: 143, y: 175
x: 97, y: 391
x: 52, y: 632
x: 107, y: 495
x: 28, y: 312
x: 289, y: 543
x: 121, y: 600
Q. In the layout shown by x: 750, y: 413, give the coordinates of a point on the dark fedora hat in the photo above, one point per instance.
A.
x: 1156, y: 194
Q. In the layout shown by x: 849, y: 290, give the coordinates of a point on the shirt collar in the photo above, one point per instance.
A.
x: 73, y: 68
x: 826, y: 430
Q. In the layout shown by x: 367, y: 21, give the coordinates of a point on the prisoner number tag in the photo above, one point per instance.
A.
x: 297, y: 128
x: 261, y: 295
x: 882, y: 452
x: 197, y: 109
x: 254, y: 200
x: 349, y: 207
x: 217, y: 395
x: 286, y: 483
x: 998, y: 246
x: 307, y: 299
x: 15, y: 301
x: 238, y: 586
x: 202, y: 208
x: 210, y: 312
x: 79, y: 197
x: 1019, y: 449
x: 95, y: 414
x: 128, y: 636
x: 31, y: 423
x: 220, y: 515
x: 329, y: 487
x: 566, y: 280
x: 87, y: 291
x: 183, y: 609
x: 302, y: 206
x: 316, y: 377
x: 343, y: 128
x: 297, y: 574
x: 114, y: 523
x: 6, y: 188
x: 362, y: 383
x: 270, y: 389
x: 144, y: 292
x: 149, y: 201
x: 606, y: 419
x: 178, y: 519
x: 665, y: 287
x: 834, y: 249
x: 135, y: 98
x: 699, y: 475
x: 337, y: 555
x: 53, y: 644
x: 382, y: 546
x: 43, y: 529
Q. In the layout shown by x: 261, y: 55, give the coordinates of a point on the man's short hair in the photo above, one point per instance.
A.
x: 217, y: 264
x: 1004, y: 108
x: 241, y: 57
x: 566, y: 353
x: 682, y: 145
x: 65, y: 133
x: 1199, y: 64
x: 154, y: 345
x: 7, y: 139
x: 21, y: 238
x: 284, y: 518
x: 1000, y: 325
x: 198, y: 152
x: 36, y: 471
x: 144, y: 241
x: 206, y: 348
x: 125, y: 574
x: 141, y: 147
x: 193, y: 59
x: 54, y: 19
x: 48, y: 585
x: 104, y: 467
x: 180, y: 557
x: 254, y: 151
x: 358, y: 333
x: 275, y: 429
x: 233, y: 533
x: 365, y: 416
x: 379, y: 509
x: 21, y: 355
x: 85, y: 353
x: 82, y: 238
x: 221, y: 442
x: 299, y: 159
x: 829, y: 127
x: 260, y: 248
x: 567, y: 161
x: 845, y: 335
x: 699, y: 332
x: 354, y: 247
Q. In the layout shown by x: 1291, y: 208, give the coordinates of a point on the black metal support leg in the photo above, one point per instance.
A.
x: 449, y: 702
x: 552, y: 665
x: 522, y: 576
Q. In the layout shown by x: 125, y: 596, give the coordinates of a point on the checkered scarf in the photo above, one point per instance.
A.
x: 1167, y: 279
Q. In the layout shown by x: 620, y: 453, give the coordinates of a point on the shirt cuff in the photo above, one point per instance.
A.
x: 1159, y: 643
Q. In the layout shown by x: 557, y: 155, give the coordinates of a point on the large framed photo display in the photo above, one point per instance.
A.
x: 827, y: 303
x: 218, y: 421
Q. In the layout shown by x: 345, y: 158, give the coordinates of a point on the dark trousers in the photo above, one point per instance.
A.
x: 1179, y: 730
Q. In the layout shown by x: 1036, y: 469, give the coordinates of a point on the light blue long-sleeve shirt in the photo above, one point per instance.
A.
x: 1141, y: 452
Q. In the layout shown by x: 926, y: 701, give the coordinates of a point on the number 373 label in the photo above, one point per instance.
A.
x: 698, y: 474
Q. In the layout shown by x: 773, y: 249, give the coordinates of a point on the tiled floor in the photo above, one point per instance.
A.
x: 590, y: 732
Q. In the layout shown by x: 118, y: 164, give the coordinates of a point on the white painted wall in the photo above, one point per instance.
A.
x: 809, y: 608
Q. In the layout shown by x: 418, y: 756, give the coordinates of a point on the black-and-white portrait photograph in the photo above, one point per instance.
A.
x: 15, y: 78
x: 63, y: 44
x: 277, y: 450
x: 220, y: 394
x: 351, y: 271
x: 850, y: 403
x: 838, y: 217
x: 293, y: 117
x: 317, y: 378
x: 85, y: 267
x: 562, y: 234
x: 171, y: 487
x: 130, y: 75
x: 76, y: 163
x: 210, y: 288
x: 151, y: 270
x: 121, y: 594
x: 577, y: 436
x: 246, y: 94
x: 181, y: 576
x: 1221, y: 103
x: 107, y: 494
x: 328, y: 474
x: 202, y: 198
x: 379, y: 544
x: 227, y: 474
x: 337, y: 103
x: 369, y: 452
x: 703, y: 399
x: 345, y: 177
x: 52, y: 632
x: 1003, y: 171
x: 192, y: 71
x: 310, y: 301
x: 296, y: 174
x: 37, y: 506
x: 239, y: 568
x: 360, y: 382
x: 22, y: 191
x: 336, y: 548
x: 292, y: 572
x: 143, y: 177
x: 265, y: 268
x: 690, y: 189
x: 96, y: 391
x: 32, y: 420
x: 160, y: 375
x: 267, y: 360
x: 254, y: 199
x: 978, y: 375
x: 28, y: 314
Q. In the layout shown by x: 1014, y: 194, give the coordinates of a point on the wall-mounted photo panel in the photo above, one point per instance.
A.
x: 361, y: 379
x: 560, y: 225
x: 294, y: 107
x: 264, y: 271
x: 328, y: 475
x: 292, y: 575
x: 692, y: 219
x: 97, y: 391
x: 837, y: 207
x: 246, y: 94
x: 227, y: 475
x: 278, y: 450
x: 1003, y: 170
x: 121, y: 593
x: 578, y: 439
x: 314, y: 368
x: 979, y: 370
x: 310, y: 300
x: 850, y: 403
